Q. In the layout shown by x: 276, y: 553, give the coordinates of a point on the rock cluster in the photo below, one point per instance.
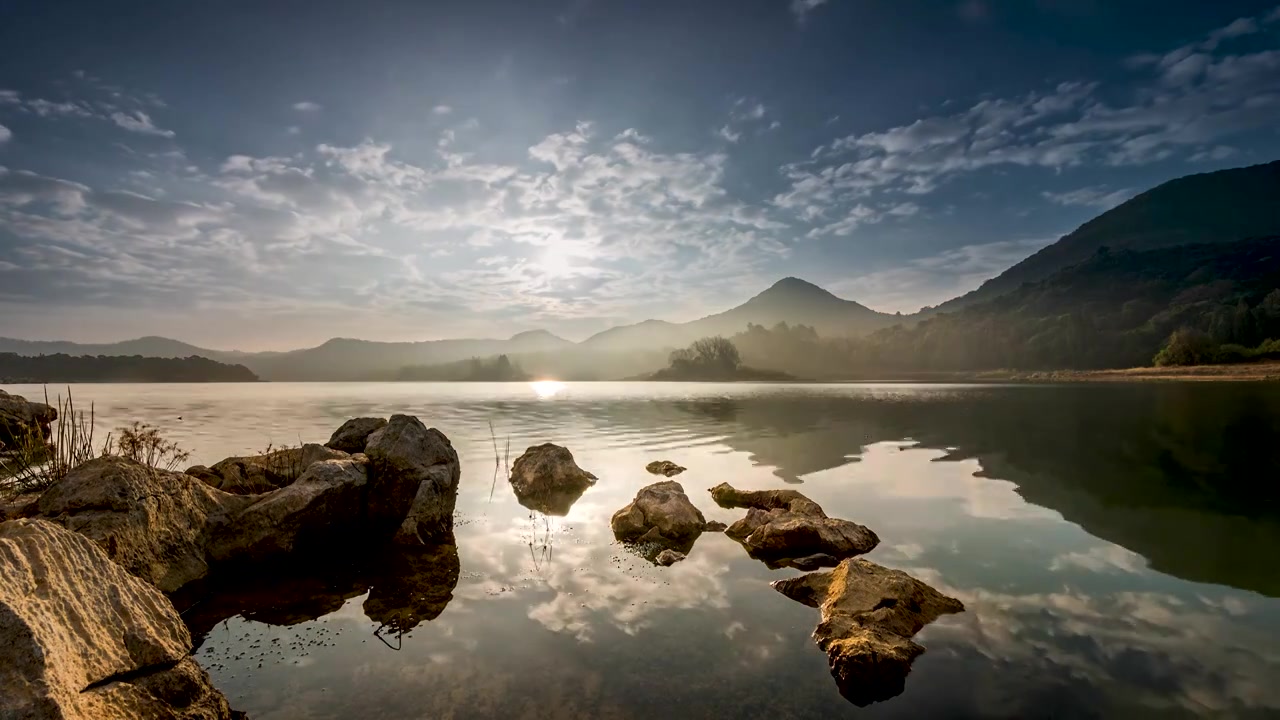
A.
x: 21, y: 419
x: 254, y: 474
x: 547, y: 479
x: 82, y: 638
x: 782, y: 526
x: 869, y: 615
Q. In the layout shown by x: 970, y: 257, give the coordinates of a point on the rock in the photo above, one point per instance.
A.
x: 20, y: 420
x: 154, y: 523
x: 781, y: 525
x: 869, y: 615
x: 263, y: 473
x: 669, y: 557
x: 661, y: 514
x: 204, y: 475
x: 353, y: 435
x: 664, y: 467
x: 325, y: 503
x: 413, y: 479
x: 19, y: 506
x: 413, y: 584
x: 80, y: 638
x: 546, y: 478
x: 714, y: 526
x: 813, y: 562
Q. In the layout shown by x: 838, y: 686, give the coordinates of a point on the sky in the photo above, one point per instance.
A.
x: 257, y: 176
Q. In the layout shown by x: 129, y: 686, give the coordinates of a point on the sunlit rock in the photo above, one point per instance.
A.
x: 869, y: 615
x: 662, y: 516
x: 413, y: 479
x: 547, y: 479
x: 263, y: 473
x: 668, y: 557
x: 353, y: 435
x: 664, y: 467
x: 782, y: 525
x: 82, y: 638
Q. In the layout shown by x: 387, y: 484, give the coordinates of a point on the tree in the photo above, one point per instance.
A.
x: 1186, y: 347
x: 716, y: 353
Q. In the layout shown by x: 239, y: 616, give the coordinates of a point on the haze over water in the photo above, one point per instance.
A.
x: 1113, y: 546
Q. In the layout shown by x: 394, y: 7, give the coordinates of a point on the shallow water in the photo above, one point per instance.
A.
x: 1114, y: 546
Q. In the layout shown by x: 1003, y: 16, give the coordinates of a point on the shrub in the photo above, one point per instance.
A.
x: 1187, y: 347
x: 146, y: 444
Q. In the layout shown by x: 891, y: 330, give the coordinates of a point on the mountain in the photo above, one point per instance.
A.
x: 158, y: 347
x: 1215, y: 207
x: 790, y: 300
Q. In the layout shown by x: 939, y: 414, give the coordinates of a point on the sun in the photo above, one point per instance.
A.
x: 546, y: 388
x: 556, y: 261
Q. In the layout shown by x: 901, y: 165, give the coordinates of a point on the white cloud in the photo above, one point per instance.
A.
x: 801, y: 8
x: 442, y: 109
x: 306, y: 106
x: 139, y: 122
x: 5, y: 134
x: 1097, y: 197
x: 728, y: 134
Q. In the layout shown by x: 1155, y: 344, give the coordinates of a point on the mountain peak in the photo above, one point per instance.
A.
x: 539, y: 334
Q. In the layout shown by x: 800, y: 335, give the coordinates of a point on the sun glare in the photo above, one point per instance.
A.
x: 546, y: 388
x: 555, y: 261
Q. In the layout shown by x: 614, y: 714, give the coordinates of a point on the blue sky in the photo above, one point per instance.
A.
x: 269, y: 175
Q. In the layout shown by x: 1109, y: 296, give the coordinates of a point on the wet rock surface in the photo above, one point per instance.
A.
x: 255, y: 474
x: 660, y: 515
x: 783, y: 525
x: 869, y: 615
x: 547, y: 479
x: 664, y: 467
x: 353, y: 435
x: 82, y: 638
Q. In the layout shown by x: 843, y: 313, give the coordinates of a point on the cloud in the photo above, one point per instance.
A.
x: 801, y: 8
x: 728, y: 134
x: 139, y: 122
x: 5, y: 134
x: 306, y: 106
x: 442, y: 110
x: 1097, y: 197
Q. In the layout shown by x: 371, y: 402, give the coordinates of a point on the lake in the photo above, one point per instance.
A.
x: 1115, y: 547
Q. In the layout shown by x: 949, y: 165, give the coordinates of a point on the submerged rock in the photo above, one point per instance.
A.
x: 413, y: 479
x: 869, y: 615
x: 353, y: 435
x: 668, y: 557
x: 781, y: 525
x: 21, y: 420
x: 263, y: 473
x: 714, y: 526
x: 662, y: 515
x: 547, y: 479
x: 82, y: 638
x: 664, y: 467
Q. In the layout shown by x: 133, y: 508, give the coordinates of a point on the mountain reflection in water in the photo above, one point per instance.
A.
x: 1112, y: 546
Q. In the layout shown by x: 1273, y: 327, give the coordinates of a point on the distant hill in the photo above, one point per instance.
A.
x: 158, y: 347
x: 790, y: 300
x: 61, y: 368
x: 1216, y: 207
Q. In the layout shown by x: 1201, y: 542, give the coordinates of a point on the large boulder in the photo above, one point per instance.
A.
x: 353, y: 435
x: 322, y: 505
x: 662, y: 515
x: 413, y: 479
x: 82, y: 638
x: 869, y: 615
x: 154, y: 523
x: 547, y: 479
x: 782, y: 525
x: 21, y: 420
x: 255, y: 474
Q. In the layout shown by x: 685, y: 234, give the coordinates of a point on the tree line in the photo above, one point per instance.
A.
x: 63, y: 368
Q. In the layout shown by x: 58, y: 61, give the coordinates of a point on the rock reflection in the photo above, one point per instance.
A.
x: 406, y: 586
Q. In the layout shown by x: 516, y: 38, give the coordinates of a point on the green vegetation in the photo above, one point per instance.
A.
x: 108, y: 368
x: 714, y: 359
x: 1187, y: 346
x: 497, y: 369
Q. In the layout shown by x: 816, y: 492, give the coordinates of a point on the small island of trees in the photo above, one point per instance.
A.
x: 712, y: 359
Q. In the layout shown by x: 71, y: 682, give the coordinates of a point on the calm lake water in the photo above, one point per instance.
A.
x: 1117, y: 549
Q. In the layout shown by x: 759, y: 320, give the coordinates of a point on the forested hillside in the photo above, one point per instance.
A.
x: 131, y: 368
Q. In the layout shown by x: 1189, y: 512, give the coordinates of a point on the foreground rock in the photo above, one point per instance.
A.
x: 21, y: 420
x: 263, y: 473
x: 547, y: 479
x: 353, y: 435
x: 869, y: 615
x: 660, y: 515
x: 782, y: 525
x: 664, y: 467
x: 82, y: 638
x: 413, y: 481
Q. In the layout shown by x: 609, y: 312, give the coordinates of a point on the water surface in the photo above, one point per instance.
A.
x: 1114, y: 545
